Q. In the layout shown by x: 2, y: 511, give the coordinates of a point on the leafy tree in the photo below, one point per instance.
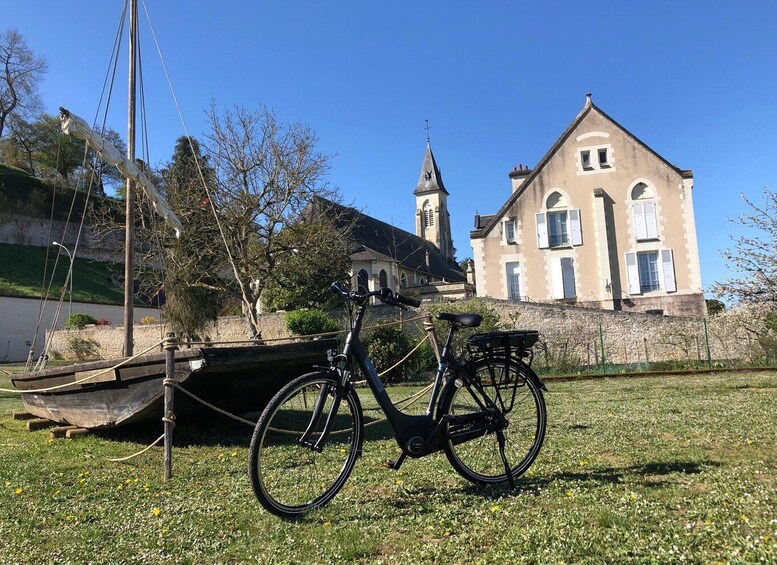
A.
x: 21, y: 73
x: 267, y: 173
x: 56, y: 154
x: 310, y: 322
x: 311, y: 255
x: 193, y: 262
x: 754, y: 255
x: 715, y: 306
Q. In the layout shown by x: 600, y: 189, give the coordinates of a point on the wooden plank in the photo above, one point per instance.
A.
x: 96, y: 376
x: 60, y: 431
x: 77, y: 432
x: 23, y: 416
x: 39, y: 424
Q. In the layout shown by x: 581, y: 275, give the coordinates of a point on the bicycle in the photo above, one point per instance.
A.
x: 487, y: 414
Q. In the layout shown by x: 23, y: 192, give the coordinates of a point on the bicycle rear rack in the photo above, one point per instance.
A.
x: 503, y: 353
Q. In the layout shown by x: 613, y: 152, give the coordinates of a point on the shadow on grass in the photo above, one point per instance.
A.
x: 609, y: 475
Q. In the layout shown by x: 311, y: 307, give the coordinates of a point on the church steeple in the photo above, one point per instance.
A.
x: 433, y: 222
x: 430, y: 178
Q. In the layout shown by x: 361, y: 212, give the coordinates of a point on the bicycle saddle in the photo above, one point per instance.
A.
x: 461, y: 320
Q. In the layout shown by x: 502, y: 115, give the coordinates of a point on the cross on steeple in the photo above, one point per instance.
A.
x: 427, y: 128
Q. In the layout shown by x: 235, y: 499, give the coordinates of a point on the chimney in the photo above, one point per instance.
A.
x: 518, y: 175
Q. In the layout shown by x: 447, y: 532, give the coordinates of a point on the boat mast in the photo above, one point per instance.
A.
x: 129, y: 235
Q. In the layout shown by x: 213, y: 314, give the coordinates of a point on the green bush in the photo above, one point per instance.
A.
x: 78, y: 321
x: 479, y: 306
x: 386, y: 346
x: 309, y: 322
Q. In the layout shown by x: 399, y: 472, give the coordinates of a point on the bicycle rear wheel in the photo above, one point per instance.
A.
x: 290, y: 478
x: 479, y: 460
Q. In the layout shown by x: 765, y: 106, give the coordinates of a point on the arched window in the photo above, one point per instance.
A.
x: 428, y: 214
x: 362, y: 280
x: 558, y: 220
x: 560, y: 225
x: 383, y: 279
x: 403, y: 280
x: 644, y: 212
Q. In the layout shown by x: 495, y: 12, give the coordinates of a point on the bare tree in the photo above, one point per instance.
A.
x: 266, y: 172
x: 21, y: 73
x: 754, y: 255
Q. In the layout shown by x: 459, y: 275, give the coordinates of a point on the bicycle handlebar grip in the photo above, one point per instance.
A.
x: 407, y: 301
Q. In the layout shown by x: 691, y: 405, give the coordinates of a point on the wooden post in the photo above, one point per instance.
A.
x: 647, y: 355
x: 429, y: 328
x: 707, y: 341
x: 168, y: 418
x: 601, y: 341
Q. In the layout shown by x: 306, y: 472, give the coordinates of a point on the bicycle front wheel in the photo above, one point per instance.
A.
x: 288, y: 474
x: 479, y: 460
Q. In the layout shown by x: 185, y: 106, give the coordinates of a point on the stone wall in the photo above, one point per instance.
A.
x: 570, y: 336
x: 17, y: 229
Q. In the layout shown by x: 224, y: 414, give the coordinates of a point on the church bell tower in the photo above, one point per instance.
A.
x: 432, y: 222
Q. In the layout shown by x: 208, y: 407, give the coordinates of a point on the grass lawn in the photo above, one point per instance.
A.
x: 91, y: 279
x: 634, y: 470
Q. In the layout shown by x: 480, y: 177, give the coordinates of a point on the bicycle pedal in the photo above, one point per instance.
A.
x: 395, y: 464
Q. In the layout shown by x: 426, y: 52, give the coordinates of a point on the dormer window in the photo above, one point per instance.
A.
x: 603, y: 160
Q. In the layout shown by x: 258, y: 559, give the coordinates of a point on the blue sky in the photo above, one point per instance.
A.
x: 498, y: 81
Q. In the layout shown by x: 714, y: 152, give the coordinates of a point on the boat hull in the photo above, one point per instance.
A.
x: 235, y: 379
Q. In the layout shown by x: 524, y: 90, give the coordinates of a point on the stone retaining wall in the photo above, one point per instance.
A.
x: 569, y: 336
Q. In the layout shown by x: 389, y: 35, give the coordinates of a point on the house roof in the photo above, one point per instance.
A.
x: 588, y: 107
x: 373, y: 239
x: 430, y: 179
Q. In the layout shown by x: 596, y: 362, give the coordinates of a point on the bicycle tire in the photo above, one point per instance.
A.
x: 478, y: 460
x: 290, y: 479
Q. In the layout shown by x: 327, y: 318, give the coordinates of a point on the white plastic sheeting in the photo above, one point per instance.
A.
x: 79, y: 128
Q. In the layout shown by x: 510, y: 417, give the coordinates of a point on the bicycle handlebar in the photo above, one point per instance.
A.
x: 385, y: 295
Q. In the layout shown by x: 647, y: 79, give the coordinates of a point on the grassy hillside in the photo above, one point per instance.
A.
x: 22, y: 193
x: 23, y: 267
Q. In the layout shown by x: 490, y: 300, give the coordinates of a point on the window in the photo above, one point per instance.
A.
x: 383, y: 279
x: 648, y: 271
x: 513, y: 281
x: 428, y: 214
x: 403, y: 280
x: 560, y: 225
x: 644, y: 213
x: 603, y: 161
x: 510, y: 231
x: 558, y: 234
x: 585, y: 159
x: 362, y: 281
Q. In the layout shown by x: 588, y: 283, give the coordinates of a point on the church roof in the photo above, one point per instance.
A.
x: 430, y: 179
x: 373, y: 239
x: 589, y: 107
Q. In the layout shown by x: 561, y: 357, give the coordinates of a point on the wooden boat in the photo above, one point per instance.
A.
x: 236, y: 379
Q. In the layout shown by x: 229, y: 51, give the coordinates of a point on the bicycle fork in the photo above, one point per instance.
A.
x: 315, y: 419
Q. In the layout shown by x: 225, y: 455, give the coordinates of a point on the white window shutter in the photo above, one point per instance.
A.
x: 651, y: 226
x: 667, y: 263
x: 632, y: 273
x: 574, y: 226
x: 556, y: 278
x: 640, y: 229
x: 542, y: 230
x: 568, y: 277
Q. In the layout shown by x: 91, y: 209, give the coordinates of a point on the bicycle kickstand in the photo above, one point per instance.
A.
x: 500, y: 438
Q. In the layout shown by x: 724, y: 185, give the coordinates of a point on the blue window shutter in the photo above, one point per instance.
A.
x: 568, y: 277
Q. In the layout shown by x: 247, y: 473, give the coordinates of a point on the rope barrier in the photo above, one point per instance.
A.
x: 84, y: 379
x: 141, y: 452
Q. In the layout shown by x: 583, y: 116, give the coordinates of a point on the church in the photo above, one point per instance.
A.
x: 421, y: 264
